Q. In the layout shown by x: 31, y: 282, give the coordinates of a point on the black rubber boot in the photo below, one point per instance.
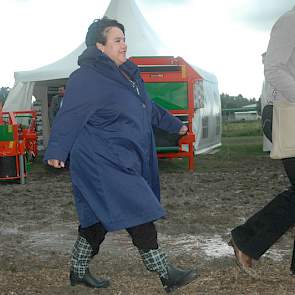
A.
x: 177, y: 278
x: 172, y: 278
x: 88, y: 280
x: 79, y: 274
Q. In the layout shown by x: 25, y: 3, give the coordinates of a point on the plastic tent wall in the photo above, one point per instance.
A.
x: 208, y: 117
x: 142, y: 41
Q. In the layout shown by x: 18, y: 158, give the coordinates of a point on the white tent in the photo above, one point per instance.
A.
x: 142, y: 41
x: 207, y: 118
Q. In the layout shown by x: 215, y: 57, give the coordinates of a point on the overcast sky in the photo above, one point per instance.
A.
x: 226, y: 37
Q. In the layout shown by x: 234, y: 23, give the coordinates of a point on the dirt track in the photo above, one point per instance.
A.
x: 38, y: 228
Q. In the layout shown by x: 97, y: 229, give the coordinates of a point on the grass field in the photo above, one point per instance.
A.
x: 240, y: 140
x: 241, y: 128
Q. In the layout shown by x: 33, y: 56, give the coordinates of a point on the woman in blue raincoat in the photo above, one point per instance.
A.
x: 105, y: 127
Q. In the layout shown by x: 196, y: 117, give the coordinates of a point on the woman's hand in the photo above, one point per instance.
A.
x: 56, y: 163
x: 183, y: 130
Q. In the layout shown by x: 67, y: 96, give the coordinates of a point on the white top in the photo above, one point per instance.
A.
x: 279, y: 63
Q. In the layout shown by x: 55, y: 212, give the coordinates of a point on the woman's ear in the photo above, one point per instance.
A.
x: 99, y: 46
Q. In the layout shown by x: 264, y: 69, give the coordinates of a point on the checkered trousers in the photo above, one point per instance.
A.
x: 155, y: 260
x: 81, y: 255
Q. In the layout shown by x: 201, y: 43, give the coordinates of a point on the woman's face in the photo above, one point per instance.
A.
x: 115, y: 47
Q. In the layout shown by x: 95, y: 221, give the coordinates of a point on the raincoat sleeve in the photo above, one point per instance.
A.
x: 79, y: 103
x: 164, y: 120
x: 280, y: 49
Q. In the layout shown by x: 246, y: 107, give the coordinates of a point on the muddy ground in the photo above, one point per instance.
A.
x: 38, y: 228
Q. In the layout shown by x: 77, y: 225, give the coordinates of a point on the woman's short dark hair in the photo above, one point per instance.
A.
x: 98, y: 29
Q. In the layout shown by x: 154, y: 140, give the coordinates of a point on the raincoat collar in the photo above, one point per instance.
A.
x: 92, y: 56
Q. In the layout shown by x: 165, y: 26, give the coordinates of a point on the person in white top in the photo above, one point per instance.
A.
x: 253, y: 238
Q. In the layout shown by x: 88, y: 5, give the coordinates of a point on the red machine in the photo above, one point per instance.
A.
x: 171, y: 83
x: 18, y: 143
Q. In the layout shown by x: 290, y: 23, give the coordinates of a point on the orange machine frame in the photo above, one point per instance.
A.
x: 24, y: 140
x: 186, y: 74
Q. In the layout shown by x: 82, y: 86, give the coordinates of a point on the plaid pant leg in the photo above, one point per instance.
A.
x: 81, y: 255
x: 155, y: 260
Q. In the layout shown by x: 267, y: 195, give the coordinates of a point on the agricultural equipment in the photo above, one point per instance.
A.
x: 18, y: 144
x: 171, y: 82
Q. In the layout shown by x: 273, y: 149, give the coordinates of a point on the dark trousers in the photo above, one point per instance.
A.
x: 144, y: 236
x: 266, y: 226
x: 289, y: 165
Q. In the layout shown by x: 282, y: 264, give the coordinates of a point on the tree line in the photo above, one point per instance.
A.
x: 233, y: 102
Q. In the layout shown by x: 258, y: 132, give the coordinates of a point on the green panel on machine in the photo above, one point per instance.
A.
x: 168, y: 149
x: 171, y: 96
x: 6, y: 133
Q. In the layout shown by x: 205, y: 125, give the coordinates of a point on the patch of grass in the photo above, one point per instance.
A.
x: 243, y: 146
x: 241, y: 128
x: 232, y: 150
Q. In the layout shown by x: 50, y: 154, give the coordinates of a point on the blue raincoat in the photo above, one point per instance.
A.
x: 105, y: 127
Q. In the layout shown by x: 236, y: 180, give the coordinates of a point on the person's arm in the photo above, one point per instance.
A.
x: 80, y: 102
x: 164, y: 120
x: 281, y: 49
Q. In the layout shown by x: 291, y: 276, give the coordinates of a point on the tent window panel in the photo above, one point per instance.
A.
x: 205, y: 127
x: 171, y: 96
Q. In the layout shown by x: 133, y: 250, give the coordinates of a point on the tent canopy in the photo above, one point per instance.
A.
x: 141, y: 41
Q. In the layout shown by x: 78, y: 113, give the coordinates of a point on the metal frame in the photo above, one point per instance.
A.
x: 171, y: 69
x: 24, y: 141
